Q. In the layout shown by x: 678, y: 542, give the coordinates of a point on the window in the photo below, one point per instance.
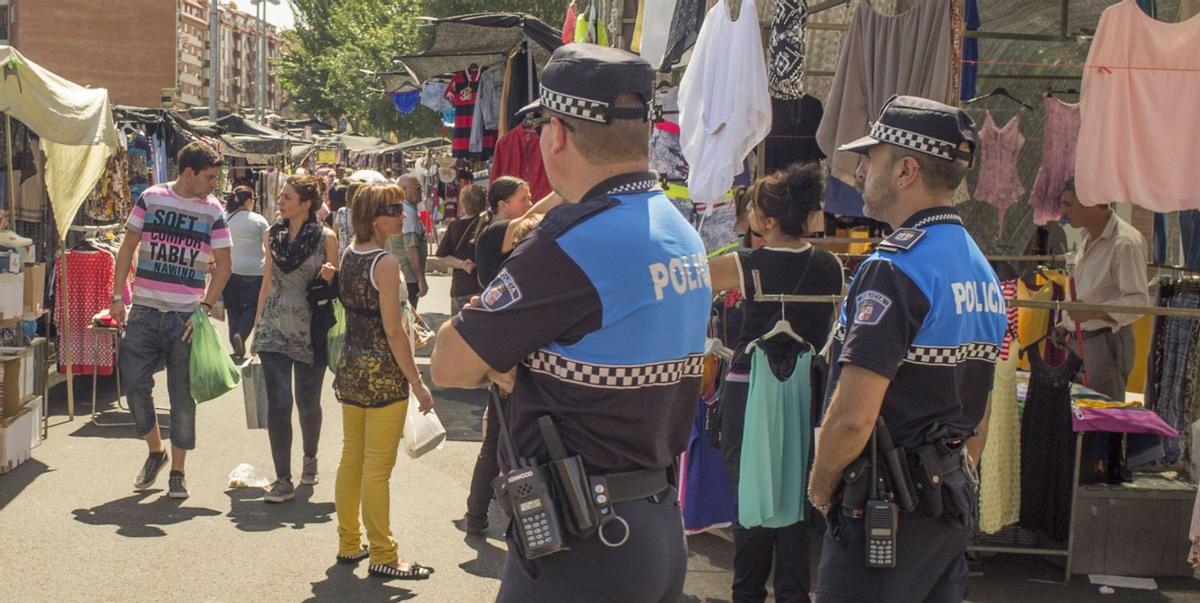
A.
x: 4, y: 21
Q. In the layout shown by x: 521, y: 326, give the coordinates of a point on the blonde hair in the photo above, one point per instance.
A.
x: 367, y: 203
x: 526, y: 226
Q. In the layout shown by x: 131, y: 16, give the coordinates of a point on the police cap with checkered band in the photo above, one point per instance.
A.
x: 922, y: 125
x: 583, y: 81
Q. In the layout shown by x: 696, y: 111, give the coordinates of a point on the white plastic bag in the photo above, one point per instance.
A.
x: 246, y: 475
x: 254, y: 394
x: 422, y: 432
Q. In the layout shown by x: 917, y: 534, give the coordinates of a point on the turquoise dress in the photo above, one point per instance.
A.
x: 775, y: 444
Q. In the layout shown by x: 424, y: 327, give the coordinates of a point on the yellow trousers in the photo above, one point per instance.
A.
x: 370, y: 438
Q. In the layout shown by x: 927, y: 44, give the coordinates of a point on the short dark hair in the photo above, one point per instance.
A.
x: 789, y: 195
x: 337, y: 196
x: 937, y: 173
x: 617, y: 141
x: 198, y: 156
x: 503, y: 188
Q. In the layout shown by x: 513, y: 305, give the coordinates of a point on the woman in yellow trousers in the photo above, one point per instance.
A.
x: 377, y: 377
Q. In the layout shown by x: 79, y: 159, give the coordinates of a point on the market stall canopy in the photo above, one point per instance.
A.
x: 75, y: 124
x: 483, y: 39
x: 362, y: 144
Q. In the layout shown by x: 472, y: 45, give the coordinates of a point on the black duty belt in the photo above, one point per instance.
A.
x: 636, y: 485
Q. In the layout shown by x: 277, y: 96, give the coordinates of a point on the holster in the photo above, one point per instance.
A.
x: 925, y: 466
x: 856, y: 486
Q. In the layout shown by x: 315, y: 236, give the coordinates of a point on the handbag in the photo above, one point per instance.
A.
x: 422, y: 432
x: 419, y: 333
x: 254, y: 394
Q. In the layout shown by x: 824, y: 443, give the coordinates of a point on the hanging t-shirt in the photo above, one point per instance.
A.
x: 788, y: 23
x: 461, y: 93
x: 178, y: 236
x: 1133, y: 134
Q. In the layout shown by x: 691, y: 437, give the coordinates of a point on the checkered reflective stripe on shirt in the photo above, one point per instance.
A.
x: 643, y: 186
x: 952, y: 355
x: 615, y: 377
x: 912, y: 140
x: 573, y: 105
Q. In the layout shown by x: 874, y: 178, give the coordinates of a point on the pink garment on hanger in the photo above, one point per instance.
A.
x: 568, y: 30
x: 999, y: 183
x: 91, y: 286
x: 1138, y: 140
x: 1060, y: 135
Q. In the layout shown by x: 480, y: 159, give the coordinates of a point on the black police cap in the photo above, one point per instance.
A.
x: 922, y: 125
x: 583, y: 81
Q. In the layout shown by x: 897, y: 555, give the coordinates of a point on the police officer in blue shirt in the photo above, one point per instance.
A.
x: 916, y: 343
x: 598, y: 321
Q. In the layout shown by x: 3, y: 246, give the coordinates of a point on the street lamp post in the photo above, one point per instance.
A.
x: 260, y: 7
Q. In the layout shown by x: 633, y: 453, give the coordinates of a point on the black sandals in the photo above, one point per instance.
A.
x: 355, y: 558
x: 415, y: 571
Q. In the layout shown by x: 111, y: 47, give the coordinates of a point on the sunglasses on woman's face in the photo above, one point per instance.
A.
x: 394, y: 210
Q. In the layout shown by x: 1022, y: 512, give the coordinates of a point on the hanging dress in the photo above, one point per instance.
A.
x: 1059, y: 137
x: 788, y: 24
x: 1000, y: 467
x: 461, y: 94
x: 1048, y: 447
x: 1000, y: 148
x: 773, y: 472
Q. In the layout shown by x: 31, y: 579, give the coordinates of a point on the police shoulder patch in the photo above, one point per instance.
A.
x: 501, y: 293
x: 870, y: 307
x: 903, y: 239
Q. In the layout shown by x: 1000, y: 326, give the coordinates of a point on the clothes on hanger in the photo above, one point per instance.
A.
x: 1048, y: 447
x: 842, y: 199
x: 433, y: 96
x: 724, y: 108
x: 656, y: 29
x: 517, y: 87
x: 110, y: 200
x: 518, y: 153
x: 568, y: 28
x: 776, y: 444
x: 999, y: 182
x: 486, y: 116
x: 880, y: 57
x: 705, y: 493
x: 31, y: 196
x: 1011, y: 334
x: 686, y: 24
x: 970, y: 70
x: 786, y: 46
x: 1130, y: 141
x: 1059, y: 138
x: 1175, y: 349
x: 140, y: 165
x: 792, y: 138
x: 1000, y: 467
x: 91, y: 286
x: 461, y: 93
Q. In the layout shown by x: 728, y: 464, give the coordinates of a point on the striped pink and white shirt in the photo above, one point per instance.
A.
x: 177, y: 238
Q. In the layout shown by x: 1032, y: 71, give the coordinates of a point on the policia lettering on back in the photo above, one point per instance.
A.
x: 602, y: 311
x: 924, y: 311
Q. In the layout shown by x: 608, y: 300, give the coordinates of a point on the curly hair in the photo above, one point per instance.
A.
x: 789, y: 195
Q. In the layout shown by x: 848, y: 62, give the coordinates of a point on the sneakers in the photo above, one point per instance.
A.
x: 309, y: 477
x: 282, y: 490
x: 239, y: 347
x: 176, y: 486
x: 149, y: 473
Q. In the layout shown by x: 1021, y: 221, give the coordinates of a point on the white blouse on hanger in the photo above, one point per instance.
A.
x: 724, y: 106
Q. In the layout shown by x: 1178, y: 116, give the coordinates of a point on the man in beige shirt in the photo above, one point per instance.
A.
x: 1110, y: 269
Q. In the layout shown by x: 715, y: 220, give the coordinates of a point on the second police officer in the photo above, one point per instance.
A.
x: 915, y: 344
x: 597, y: 321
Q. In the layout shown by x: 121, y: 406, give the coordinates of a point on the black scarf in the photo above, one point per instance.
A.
x: 288, y: 255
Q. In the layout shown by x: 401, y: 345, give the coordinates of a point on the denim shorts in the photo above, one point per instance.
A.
x: 153, y: 339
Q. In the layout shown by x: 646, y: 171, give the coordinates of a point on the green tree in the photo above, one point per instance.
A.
x: 337, y: 46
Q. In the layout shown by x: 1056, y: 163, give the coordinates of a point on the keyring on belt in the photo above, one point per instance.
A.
x: 606, y: 521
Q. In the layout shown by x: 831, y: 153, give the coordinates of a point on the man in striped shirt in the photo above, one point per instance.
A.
x: 175, y: 230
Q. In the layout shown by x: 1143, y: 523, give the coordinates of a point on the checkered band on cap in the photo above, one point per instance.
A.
x: 575, y: 106
x: 911, y: 140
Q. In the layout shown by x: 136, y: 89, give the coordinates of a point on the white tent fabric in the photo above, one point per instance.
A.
x: 74, y: 122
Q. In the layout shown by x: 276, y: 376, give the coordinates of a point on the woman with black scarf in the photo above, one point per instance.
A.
x: 301, y: 250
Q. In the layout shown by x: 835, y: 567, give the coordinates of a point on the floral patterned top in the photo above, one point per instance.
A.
x: 367, y: 373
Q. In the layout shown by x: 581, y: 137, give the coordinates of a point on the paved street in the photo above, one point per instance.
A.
x: 73, y: 530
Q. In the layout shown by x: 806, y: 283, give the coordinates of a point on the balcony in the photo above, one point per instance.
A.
x: 188, y: 78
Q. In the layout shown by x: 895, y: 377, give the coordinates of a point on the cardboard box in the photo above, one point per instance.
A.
x: 15, y: 437
x: 12, y: 295
x: 35, y: 408
x: 18, y: 381
x: 35, y: 288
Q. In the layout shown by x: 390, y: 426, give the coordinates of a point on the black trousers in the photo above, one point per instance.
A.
x: 414, y: 294
x: 930, y: 554
x: 758, y: 551
x: 279, y: 370
x: 241, y: 303
x: 649, y: 568
x: 487, y: 467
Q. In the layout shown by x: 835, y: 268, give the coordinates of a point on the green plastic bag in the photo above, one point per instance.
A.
x: 337, y: 333
x: 212, y: 371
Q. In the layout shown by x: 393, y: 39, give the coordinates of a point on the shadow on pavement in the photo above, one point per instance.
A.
x: 250, y: 514
x: 342, y: 584
x: 134, y: 519
x: 15, y: 481
x: 717, y: 550
x: 489, y: 559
